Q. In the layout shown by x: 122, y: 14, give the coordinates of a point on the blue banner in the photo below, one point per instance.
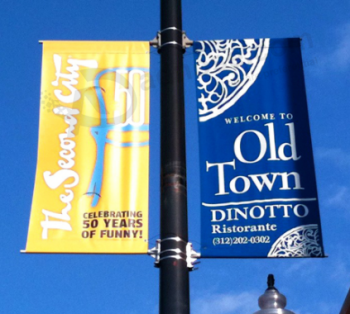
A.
x: 258, y: 186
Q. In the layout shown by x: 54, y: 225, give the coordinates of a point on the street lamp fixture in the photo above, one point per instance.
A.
x: 272, y: 302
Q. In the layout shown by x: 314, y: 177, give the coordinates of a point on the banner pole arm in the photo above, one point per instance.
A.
x: 174, y: 272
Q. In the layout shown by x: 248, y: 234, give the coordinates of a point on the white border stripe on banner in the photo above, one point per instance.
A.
x: 262, y: 201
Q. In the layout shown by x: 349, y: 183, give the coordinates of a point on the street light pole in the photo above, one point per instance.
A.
x: 174, y: 273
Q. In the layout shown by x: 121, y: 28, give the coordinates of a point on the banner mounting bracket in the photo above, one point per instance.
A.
x: 156, y: 42
x: 190, y: 256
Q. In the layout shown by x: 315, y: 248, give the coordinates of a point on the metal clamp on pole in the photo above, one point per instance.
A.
x: 189, y: 256
x: 192, y: 256
x: 155, y: 253
x: 156, y: 42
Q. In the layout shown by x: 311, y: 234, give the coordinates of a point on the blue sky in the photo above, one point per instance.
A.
x: 68, y: 284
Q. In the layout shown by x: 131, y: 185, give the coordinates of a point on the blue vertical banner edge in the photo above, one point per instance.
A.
x: 311, y: 147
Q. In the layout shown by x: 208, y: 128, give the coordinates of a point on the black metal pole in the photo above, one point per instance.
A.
x: 174, y: 274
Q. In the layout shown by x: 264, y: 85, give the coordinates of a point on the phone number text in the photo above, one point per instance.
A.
x: 241, y: 240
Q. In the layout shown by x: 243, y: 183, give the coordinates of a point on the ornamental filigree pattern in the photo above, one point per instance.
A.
x: 302, y: 241
x: 225, y: 71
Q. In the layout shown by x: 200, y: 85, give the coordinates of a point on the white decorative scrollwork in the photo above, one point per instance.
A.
x: 225, y: 71
x: 302, y: 241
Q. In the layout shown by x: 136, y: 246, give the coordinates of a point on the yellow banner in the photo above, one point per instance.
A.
x: 91, y: 186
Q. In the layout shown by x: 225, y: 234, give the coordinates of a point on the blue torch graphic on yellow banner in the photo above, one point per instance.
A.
x: 100, y: 132
x: 91, y: 187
